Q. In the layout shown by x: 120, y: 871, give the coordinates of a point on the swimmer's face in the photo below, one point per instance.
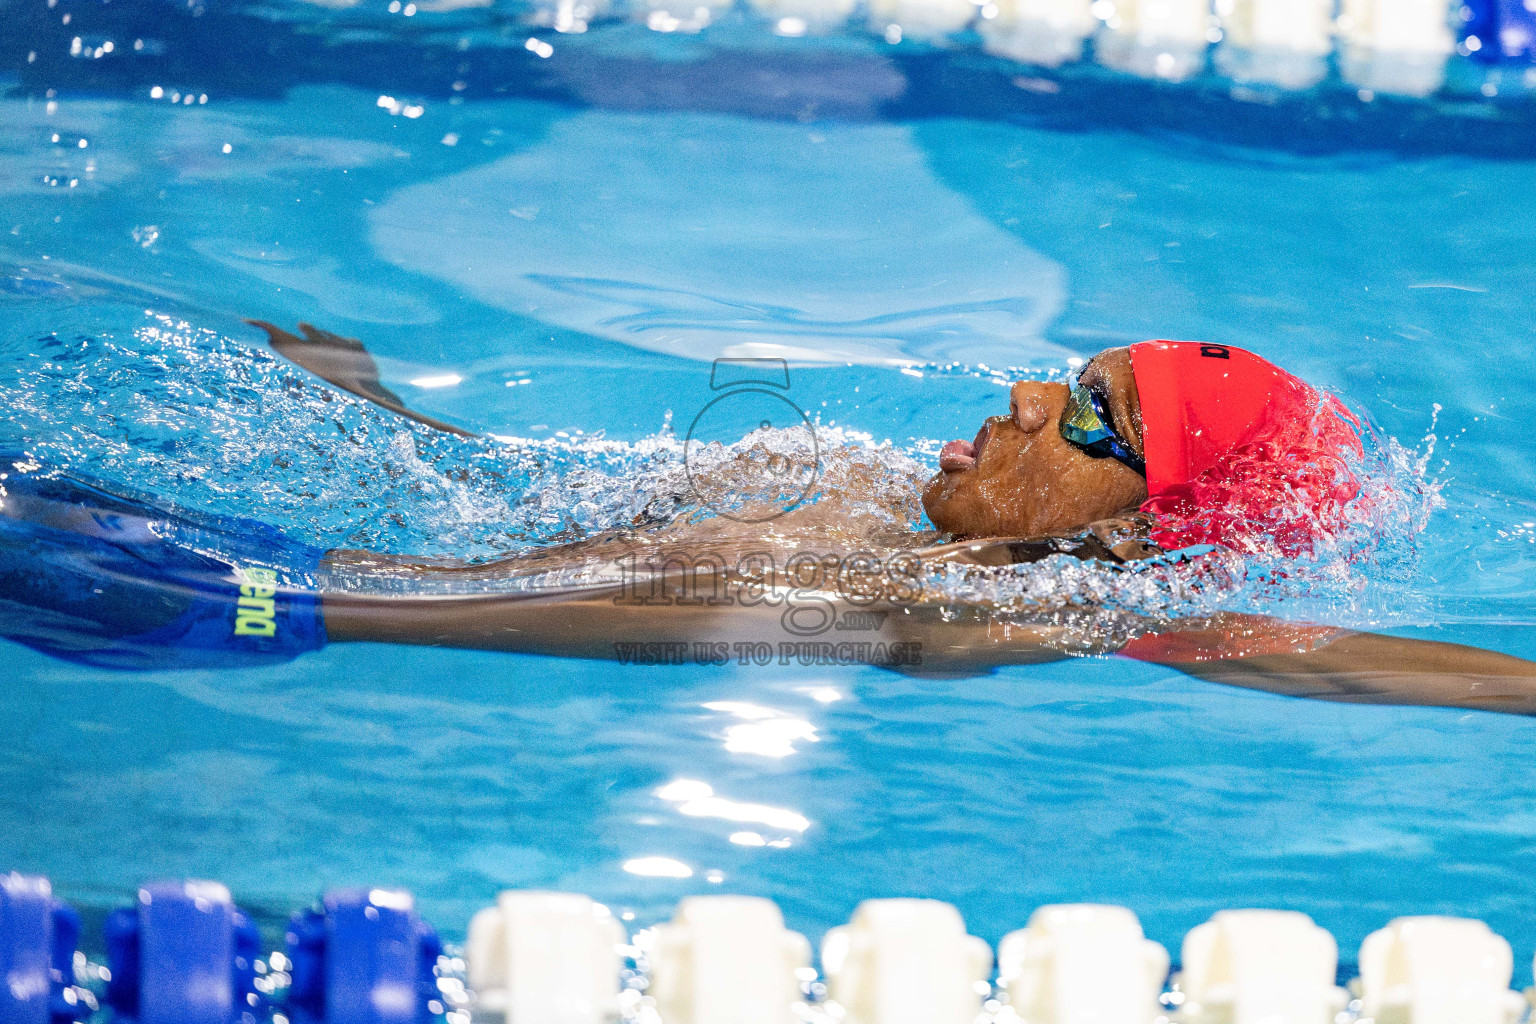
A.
x: 1021, y: 478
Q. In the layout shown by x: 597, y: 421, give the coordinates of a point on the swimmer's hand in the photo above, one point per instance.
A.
x: 1324, y: 663
x: 345, y: 363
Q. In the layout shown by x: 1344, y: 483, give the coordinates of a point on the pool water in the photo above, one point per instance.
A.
x: 555, y: 262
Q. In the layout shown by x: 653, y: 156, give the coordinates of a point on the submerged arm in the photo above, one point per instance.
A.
x: 604, y: 618
x: 1260, y: 653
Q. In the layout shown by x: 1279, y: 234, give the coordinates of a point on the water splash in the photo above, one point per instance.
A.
x: 232, y: 429
x: 1361, y: 572
x: 216, y: 425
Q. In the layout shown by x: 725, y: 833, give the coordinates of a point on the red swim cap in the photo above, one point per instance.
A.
x: 1238, y: 450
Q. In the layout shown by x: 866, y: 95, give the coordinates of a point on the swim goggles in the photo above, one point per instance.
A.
x: 1087, y: 425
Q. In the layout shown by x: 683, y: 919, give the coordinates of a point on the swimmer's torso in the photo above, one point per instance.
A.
x: 724, y: 588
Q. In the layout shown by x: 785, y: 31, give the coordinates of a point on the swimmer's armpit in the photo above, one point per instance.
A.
x: 1325, y: 663
x: 345, y: 363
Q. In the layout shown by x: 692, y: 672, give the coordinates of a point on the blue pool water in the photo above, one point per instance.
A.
x: 574, y: 243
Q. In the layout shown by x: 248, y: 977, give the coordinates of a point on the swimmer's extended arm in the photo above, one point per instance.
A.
x: 686, y: 607
x: 345, y: 363
x: 606, y: 620
x: 1319, y: 662
x: 1341, y: 665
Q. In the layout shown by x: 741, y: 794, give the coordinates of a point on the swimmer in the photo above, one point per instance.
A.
x: 1157, y: 453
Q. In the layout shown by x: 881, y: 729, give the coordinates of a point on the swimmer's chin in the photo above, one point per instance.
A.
x: 949, y: 503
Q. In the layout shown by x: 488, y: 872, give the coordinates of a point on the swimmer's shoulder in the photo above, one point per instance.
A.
x: 1116, y: 541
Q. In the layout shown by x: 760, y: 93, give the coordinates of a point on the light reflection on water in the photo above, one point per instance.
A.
x: 765, y: 732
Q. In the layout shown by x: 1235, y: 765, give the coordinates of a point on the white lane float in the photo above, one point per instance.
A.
x: 1082, y: 963
x: 919, y: 19
x: 1437, y: 970
x: 1297, y: 26
x: 804, y: 17
x: 1163, y: 39
x: 1395, y: 46
x: 1045, y: 32
x: 1279, y: 42
x: 680, y: 15
x: 1260, y: 967
x: 727, y: 959
x: 545, y: 958
x: 906, y: 961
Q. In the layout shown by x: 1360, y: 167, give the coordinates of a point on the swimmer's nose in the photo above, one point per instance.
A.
x: 1026, y: 407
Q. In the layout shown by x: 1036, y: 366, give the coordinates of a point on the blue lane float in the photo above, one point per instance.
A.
x: 1496, y: 30
x: 363, y: 956
x: 183, y: 954
x: 38, y: 935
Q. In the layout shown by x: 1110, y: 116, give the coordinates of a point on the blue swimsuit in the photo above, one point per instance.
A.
x: 105, y: 579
